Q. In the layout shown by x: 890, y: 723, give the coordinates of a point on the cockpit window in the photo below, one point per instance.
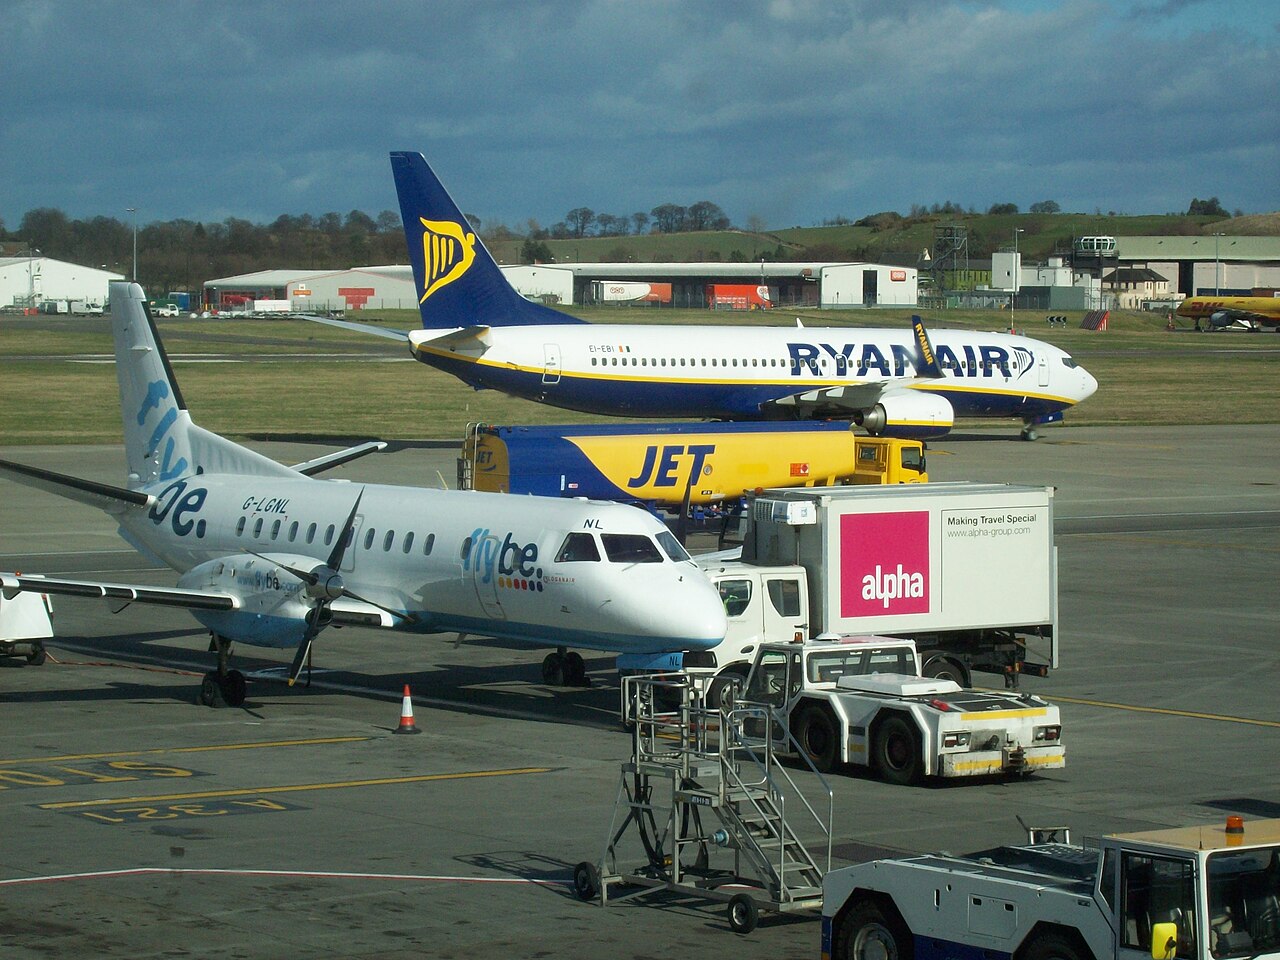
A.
x: 1069, y: 363
x: 668, y: 542
x: 630, y: 548
x: 578, y: 547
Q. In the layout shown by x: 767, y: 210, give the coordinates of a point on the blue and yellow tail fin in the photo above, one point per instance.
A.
x: 928, y: 360
x: 458, y: 282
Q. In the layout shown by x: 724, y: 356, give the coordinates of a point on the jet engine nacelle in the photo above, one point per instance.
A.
x: 273, y: 602
x: 909, y: 414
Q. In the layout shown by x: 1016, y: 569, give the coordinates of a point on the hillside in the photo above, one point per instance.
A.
x: 1042, y: 236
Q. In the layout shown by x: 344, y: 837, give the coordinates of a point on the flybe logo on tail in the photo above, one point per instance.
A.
x: 447, y: 253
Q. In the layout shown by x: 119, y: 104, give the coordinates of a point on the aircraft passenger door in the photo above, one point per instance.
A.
x: 551, y: 363
x: 484, y: 575
x: 1043, y: 365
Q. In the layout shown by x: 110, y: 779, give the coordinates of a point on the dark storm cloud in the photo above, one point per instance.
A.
x: 787, y: 111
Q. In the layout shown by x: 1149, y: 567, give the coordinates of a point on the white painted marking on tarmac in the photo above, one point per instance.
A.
x: 292, y: 874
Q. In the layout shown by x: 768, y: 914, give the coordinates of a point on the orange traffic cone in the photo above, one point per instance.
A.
x: 406, y: 714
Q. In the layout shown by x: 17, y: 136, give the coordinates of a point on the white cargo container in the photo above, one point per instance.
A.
x: 966, y: 570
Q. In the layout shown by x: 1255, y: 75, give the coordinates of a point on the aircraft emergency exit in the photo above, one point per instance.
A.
x: 269, y: 555
x: 893, y: 382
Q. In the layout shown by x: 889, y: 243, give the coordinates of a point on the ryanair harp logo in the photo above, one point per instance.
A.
x: 447, y: 253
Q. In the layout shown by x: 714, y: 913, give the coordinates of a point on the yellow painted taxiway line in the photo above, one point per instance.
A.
x: 292, y: 788
x: 265, y: 744
x: 1192, y: 714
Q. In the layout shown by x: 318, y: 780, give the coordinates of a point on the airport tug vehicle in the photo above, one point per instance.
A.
x: 1190, y: 893
x: 25, y: 624
x: 862, y: 701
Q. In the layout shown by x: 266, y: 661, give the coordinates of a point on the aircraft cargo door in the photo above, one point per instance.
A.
x: 551, y: 363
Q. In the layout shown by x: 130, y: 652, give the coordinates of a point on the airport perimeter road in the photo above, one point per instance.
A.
x: 139, y: 824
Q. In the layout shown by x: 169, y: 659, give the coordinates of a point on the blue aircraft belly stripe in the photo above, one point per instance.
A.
x: 700, y: 398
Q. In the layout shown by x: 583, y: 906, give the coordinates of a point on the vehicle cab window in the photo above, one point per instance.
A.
x: 784, y: 595
x: 1157, y: 890
x: 736, y: 596
x: 769, y: 680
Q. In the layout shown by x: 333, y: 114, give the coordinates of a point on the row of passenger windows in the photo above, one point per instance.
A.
x: 388, y: 539
x: 840, y: 363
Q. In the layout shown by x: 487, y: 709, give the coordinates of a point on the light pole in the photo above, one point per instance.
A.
x: 31, y: 275
x: 134, y: 212
x: 1216, y: 284
x: 1013, y: 299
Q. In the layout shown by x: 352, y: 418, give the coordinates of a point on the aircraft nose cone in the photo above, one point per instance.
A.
x: 702, y: 614
x: 1089, y: 384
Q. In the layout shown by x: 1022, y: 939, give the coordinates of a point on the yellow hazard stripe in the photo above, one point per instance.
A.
x: 1004, y: 714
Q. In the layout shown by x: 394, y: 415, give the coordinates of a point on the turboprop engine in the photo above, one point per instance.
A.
x: 910, y: 414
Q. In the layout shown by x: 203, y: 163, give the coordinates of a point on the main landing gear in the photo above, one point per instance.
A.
x: 222, y: 687
x: 564, y: 669
x: 1029, y: 432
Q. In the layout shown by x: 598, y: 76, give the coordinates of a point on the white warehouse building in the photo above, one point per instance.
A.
x: 27, y: 281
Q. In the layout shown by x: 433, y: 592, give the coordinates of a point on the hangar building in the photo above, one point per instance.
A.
x: 27, y: 281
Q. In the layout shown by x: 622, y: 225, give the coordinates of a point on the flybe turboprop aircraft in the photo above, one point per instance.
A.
x: 270, y: 555
x: 895, y: 382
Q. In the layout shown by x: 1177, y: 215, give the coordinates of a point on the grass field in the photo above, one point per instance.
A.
x: 291, y: 388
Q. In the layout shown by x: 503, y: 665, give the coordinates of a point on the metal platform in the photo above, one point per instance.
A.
x: 703, y: 809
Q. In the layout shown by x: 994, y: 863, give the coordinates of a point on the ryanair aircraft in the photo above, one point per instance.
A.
x: 270, y: 556
x: 893, y: 382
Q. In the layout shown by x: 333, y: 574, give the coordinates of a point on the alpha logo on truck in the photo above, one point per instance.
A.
x: 884, y: 563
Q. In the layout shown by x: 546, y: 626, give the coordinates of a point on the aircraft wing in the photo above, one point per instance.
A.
x: 12, y: 584
x: 346, y: 611
x: 369, y: 328
x: 854, y: 396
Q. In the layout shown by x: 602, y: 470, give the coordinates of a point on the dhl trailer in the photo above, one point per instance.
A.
x: 663, y: 463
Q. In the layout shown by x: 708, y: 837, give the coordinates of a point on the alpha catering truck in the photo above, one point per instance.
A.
x: 966, y: 570
x: 1208, y: 892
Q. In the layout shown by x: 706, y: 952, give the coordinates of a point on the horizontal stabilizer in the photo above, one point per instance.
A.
x: 12, y: 584
x: 330, y: 460
x: 100, y: 495
x: 475, y: 339
x: 369, y: 328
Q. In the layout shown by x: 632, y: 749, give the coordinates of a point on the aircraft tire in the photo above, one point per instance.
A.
x: 553, y: 670
x: 575, y: 670
x: 233, y: 688
x: 210, y: 691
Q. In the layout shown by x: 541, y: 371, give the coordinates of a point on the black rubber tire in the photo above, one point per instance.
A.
x: 896, y: 750
x: 575, y: 670
x: 816, y: 733
x: 586, y: 881
x: 1051, y: 946
x: 715, y: 692
x: 867, y: 933
x: 553, y: 670
x: 210, y: 692
x: 38, y: 655
x: 941, y: 668
x: 743, y: 913
x: 234, y: 688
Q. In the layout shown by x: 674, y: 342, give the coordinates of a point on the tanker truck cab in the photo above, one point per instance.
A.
x: 1208, y: 892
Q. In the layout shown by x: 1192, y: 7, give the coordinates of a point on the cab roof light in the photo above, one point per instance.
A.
x: 1235, y: 824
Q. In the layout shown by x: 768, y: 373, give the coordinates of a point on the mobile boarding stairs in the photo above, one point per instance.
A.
x: 706, y: 811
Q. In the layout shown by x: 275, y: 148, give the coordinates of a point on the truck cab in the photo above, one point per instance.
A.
x: 889, y: 460
x: 1208, y: 892
x: 862, y: 701
x: 760, y: 604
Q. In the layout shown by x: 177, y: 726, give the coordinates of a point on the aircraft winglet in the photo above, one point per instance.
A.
x: 928, y: 366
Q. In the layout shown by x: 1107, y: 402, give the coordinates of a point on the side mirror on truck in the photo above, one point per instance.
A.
x: 1164, y: 941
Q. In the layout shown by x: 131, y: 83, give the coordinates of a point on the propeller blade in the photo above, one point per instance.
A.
x: 300, y: 657
x: 340, y: 548
x: 306, y: 576
x: 399, y: 615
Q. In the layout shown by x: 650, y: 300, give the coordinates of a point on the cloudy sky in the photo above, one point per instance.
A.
x: 784, y: 113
